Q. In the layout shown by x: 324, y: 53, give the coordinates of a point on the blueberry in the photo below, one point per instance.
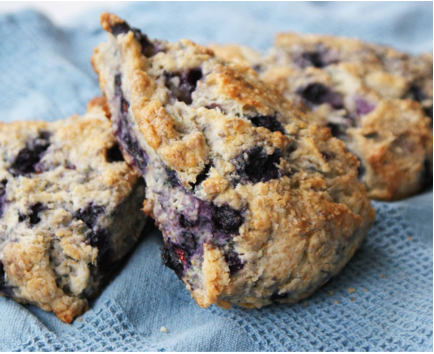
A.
x: 114, y: 154
x: 33, y: 216
x: 318, y: 94
x: 202, y: 176
x: 186, y: 223
x: 234, y: 262
x: 120, y: 28
x: 187, y: 84
x: 259, y: 167
x: 174, y: 257
x: 189, y: 242
x: 226, y: 219
x: 89, y: 215
x: 172, y: 177
x: 313, y: 59
x: 27, y: 159
x: 269, y: 122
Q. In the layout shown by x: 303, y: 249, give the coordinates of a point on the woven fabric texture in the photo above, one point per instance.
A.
x: 382, y: 301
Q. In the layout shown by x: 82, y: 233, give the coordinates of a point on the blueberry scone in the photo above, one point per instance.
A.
x: 255, y: 205
x: 375, y: 99
x: 69, y: 210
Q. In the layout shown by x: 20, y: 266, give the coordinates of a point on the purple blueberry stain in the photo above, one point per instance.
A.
x: 234, y: 262
x: 123, y: 131
x: 148, y: 49
x: 172, y: 178
x: 187, y: 84
x: 256, y: 165
x: 186, y: 223
x: 269, y: 122
x: 318, y: 94
x: 28, y: 158
x: 363, y: 107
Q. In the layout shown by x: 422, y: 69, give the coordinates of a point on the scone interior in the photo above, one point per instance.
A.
x: 377, y: 100
x: 69, y: 208
x: 255, y: 205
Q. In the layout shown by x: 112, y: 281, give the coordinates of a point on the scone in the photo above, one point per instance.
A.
x: 375, y: 99
x: 69, y: 210
x: 255, y: 204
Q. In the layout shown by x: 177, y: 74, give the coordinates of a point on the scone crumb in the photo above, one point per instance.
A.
x: 331, y: 293
x: 351, y: 290
x: 365, y: 290
x: 352, y: 299
x: 383, y: 276
x: 336, y: 302
x: 164, y: 330
x: 79, y: 319
x: 410, y: 238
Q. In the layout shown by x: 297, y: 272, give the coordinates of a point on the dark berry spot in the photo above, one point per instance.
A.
x: 318, y: 94
x: 124, y: 107
x: 186, y: 223
x: 234, y: 262
x: 202, y: 176
x: 172, y: 177
x: 269, y: 122
x: 186, y: 85
x: 33, y: 215
x: 118, y: 85
x: 416, y: 93
x: 363, y: 107
x: 89, y: 215
x: 313, y: 59
x: 258, y: 166
x: 227, y: 219
x: 173, y: 257
x: 120, y: 28
x: 114, y: 154
x: 27, y: 159
x: 3, y: 184
x: 189, y: 242
x: 325, y: 156
x: 258, y: 68
x: 129, y: 143
x: 2, y: 277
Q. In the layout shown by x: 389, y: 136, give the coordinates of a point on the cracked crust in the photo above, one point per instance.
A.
x: 63, y: 192
x: 377, y: 100
x: 255, y: 204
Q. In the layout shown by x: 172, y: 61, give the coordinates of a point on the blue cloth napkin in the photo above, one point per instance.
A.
x: 45, y: 74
